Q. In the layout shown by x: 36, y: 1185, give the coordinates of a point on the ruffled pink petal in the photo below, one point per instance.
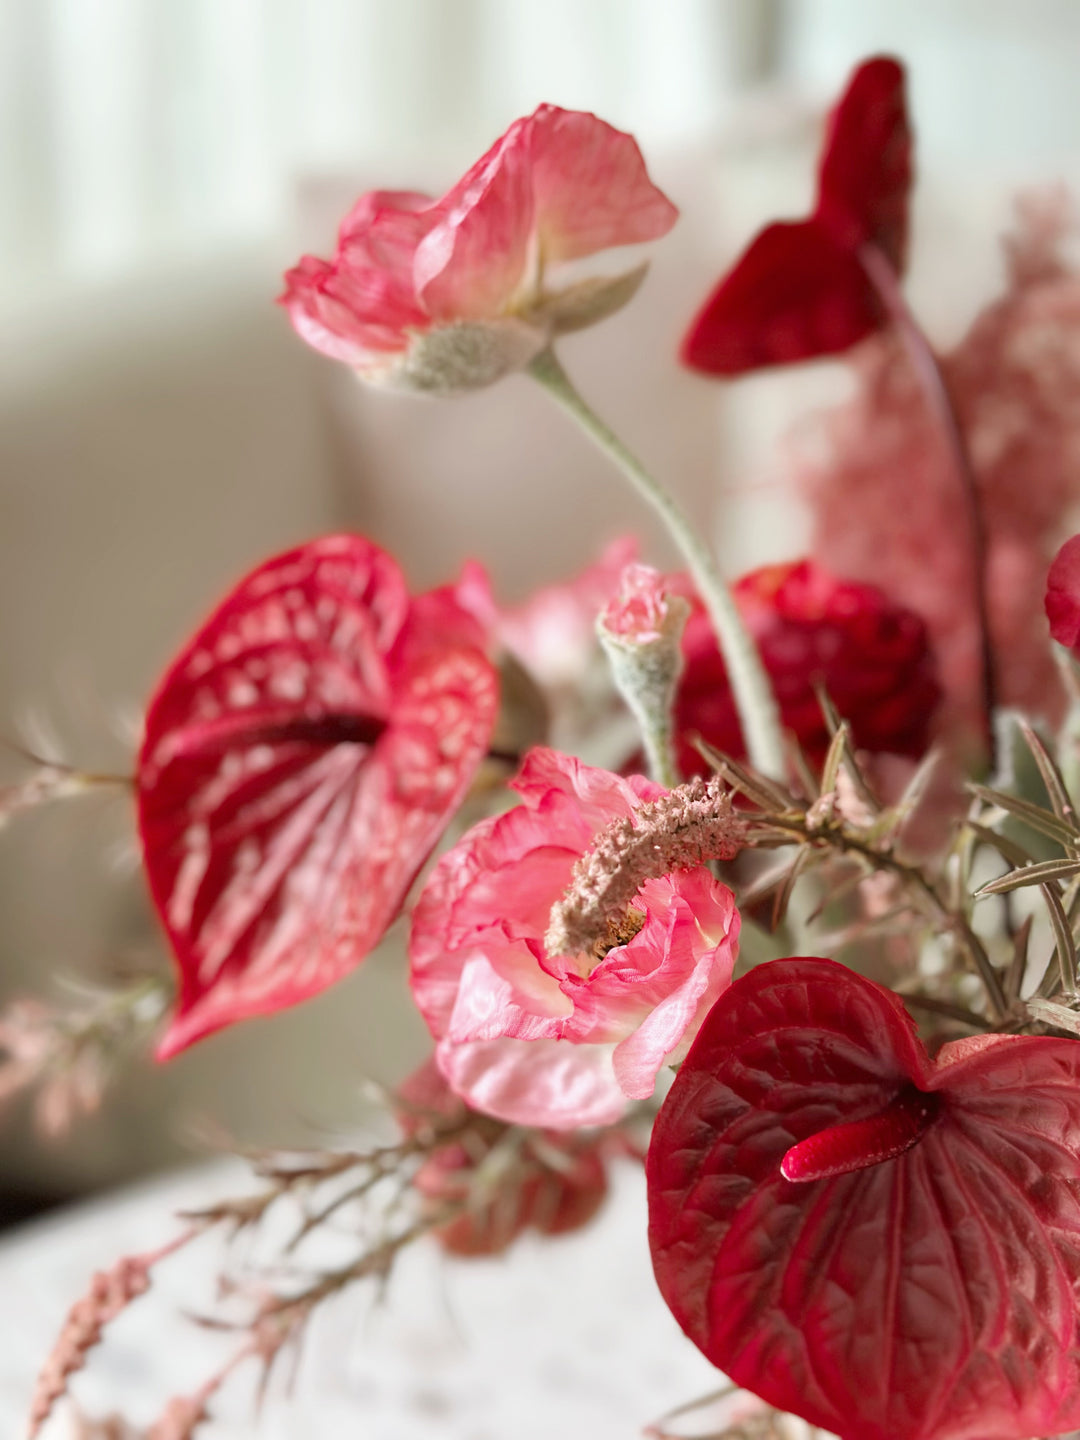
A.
x: 487, y: 1007
x: 384, y: 228
x: 471, y: 262
x: 652, y: 994
x: 547, y: 1083
x: 349, y: 313
x: 591, y: 188
x: 599, y: 795
x: 459, y: 917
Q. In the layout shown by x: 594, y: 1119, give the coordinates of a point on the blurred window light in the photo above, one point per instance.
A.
x: 135, y: 131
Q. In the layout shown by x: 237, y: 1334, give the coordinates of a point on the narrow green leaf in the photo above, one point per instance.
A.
x: 1063, y: 940
x: 766, y: 794
x: 1014, y: 975
x: 831, y: 769
x: 1052, y: 778
x: 1030, y: 875
x: 1050, y: 1013
x: 783, y: 895
x: 1006, y: 847
x: 1034, y: 816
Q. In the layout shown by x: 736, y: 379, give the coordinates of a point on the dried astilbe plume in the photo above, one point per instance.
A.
x: 473, y: 1183
x: 888, y: 506
x: 111, y: 1292
x: 688, y: 826
x: 64, y: 1052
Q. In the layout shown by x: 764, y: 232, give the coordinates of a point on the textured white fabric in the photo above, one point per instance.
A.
x: 564, y: 1337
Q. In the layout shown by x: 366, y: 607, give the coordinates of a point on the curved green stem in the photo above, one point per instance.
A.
x: 750, y: 687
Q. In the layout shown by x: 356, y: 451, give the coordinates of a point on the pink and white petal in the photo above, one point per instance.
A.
x: 384, y: 228
x: 472, y: 261
x: 599, y: 796
x: 546, y: 1083
x: 591, y: 186
x: 488, y: 1006
x: 318, y: 317
x: 667, y: 1031
x: 349, y: 314
x: 278, y: 837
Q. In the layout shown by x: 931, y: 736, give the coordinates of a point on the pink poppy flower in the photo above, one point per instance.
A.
x: 884, y: 1244
x: 302, y: 756
x: 450, y: 294
x: 800, y: 290
x: 871, y: 655
x: 561, y: 1041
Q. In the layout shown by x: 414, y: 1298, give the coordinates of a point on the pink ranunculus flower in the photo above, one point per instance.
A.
x: 448, y: 295
x: 568, y: 1040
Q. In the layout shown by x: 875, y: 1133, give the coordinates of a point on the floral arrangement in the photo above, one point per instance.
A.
x: 864, y: 1170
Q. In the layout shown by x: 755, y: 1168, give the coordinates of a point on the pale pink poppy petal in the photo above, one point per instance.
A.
x: 471, y: 262
x: 599, y: 796
x: 349, y: 313
x: 653, y: 993
x: 384, y: 228
x: 591, y: 186
x: 547, y: 1083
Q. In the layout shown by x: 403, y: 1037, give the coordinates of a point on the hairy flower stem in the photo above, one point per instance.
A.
x: 750, y: 686
x: 939, y: 401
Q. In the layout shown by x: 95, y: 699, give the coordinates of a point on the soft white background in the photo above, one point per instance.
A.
x: 161, y: 429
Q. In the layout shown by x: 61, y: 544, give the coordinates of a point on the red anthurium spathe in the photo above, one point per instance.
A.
x: 301, y: 758
x: 446, y: 295
x: 566, y: 1040
x: 800, y: 290
x: 1063, y: 595
x: 871, y: 656
x: 884, y: 1244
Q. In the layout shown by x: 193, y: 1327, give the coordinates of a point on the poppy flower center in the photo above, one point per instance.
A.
x: 858, y: 1144
x: 618, y: 930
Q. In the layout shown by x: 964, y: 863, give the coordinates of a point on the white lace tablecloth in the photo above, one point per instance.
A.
x: 562, y: 1339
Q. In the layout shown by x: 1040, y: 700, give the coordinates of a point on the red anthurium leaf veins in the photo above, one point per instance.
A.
x: 800, y: 290
x: 301, y: 758
x: 883, y: 1244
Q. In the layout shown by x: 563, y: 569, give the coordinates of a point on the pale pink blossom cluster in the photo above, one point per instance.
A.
x: 888, y: 506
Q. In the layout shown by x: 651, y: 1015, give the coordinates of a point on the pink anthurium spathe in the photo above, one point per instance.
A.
x: 566, y: 1040
x: 450, y: 294
x: 301, y: 758
x: 801, y: 290
x: 884, y: 1244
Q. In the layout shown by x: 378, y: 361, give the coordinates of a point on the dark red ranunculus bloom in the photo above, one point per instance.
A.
x: 800, y: 291
x: 884, y: 1244
x: 302, y: 756
x: 872, y: 657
